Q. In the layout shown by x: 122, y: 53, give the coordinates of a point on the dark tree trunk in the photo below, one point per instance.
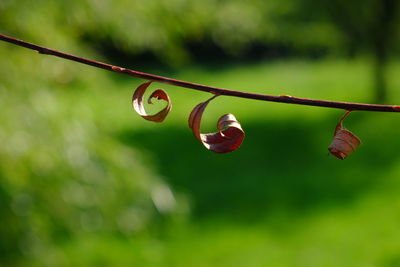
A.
x: 383, y: 30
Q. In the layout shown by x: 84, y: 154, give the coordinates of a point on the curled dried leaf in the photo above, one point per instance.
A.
x: 229, y: 136
x: 137, y: 102
x: 344, y: 142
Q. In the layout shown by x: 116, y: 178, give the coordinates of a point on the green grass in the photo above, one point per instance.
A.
x: 78, y: 169
x: 364, y: 233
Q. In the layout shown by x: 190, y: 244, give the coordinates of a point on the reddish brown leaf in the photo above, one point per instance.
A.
x: 229, y: 136
x: 344, y: 142
x: 137, y: 102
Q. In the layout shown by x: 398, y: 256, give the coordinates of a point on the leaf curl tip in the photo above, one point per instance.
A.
x: 229, y: 136
x: 138, y: 105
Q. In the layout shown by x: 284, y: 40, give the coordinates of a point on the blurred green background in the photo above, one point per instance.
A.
x: 84, y: 181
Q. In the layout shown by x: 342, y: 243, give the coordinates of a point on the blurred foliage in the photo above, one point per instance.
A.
x: 86, y: 182
x: 61, y: 174
x: 176, y: 30
x: 170, y: 28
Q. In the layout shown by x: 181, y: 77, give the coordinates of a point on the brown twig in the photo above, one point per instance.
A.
x: 204, y: 88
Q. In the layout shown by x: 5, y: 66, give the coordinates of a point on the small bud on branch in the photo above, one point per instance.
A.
x: 344, y: 142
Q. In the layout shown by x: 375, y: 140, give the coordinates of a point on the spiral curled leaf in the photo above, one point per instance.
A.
x: 344, y: 142
x: 229, y: 136
x: 137, y: 103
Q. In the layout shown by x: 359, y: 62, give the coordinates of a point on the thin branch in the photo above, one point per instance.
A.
x: 204, y: 88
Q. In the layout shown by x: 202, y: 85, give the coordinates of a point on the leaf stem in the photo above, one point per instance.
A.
x: 200, y: 87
